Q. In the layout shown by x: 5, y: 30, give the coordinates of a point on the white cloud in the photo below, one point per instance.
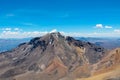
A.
x: 7, y: 29
x: 73, y: 34
x: 18, y: 34
x: 10, y: 29
x: 54, y: 30
x: 108, y: 27
x: 17, y: 29
x: 99, y: 26
x: 109, y: 34
x: 117, y: 30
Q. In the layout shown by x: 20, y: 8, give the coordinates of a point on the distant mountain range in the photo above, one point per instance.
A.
x: 56, y: 57
x: 108, y: 43
x: 8, y: 44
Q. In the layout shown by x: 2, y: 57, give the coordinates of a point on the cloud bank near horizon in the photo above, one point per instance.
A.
x: 19, y: 33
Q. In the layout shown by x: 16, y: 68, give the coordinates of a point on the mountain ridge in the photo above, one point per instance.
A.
x: 51, y: 55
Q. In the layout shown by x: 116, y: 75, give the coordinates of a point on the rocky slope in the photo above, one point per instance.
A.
x: 108, y: 68
x: 50, y: 57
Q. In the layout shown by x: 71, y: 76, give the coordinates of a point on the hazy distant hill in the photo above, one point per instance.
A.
x: 7, y: 44
x: 108, y: 43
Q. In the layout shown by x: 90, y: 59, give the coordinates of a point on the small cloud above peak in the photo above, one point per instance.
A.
x: 53, y: 31
x: 99, y: 26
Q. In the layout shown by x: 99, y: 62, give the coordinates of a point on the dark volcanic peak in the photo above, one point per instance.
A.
x: 68, y: 38
x: 52, y: 55
x: 47, y: 37
x: 46, y: 40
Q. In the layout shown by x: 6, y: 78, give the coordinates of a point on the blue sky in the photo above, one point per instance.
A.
x: 30, y: 18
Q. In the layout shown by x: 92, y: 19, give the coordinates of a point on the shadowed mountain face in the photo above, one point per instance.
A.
x: 50, y: 57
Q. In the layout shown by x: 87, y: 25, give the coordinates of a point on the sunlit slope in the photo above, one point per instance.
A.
x: 108, y: 68
x: 111, y: 75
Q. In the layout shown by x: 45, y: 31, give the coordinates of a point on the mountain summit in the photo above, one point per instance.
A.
x: 50, y: 57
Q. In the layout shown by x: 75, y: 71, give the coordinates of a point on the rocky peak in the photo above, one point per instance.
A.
x: 54, y: 35
x: 71, y: 39
x: 52, y: 52
x: 48, y: 39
